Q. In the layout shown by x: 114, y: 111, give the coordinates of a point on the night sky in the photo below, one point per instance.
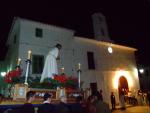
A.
x: 128, y: 20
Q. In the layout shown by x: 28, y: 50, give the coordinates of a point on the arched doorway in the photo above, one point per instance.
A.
x: 123, y: 85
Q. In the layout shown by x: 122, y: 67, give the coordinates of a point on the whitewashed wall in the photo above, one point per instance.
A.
x: 12, y: 53
x: 74, y: 51
x: 106, y: 65
x: 41, y: 46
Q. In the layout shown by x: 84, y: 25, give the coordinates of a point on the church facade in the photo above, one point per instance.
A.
x: 104, y: 65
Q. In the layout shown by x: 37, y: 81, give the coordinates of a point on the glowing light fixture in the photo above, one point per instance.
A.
x: 3, y: 74
x: 18, y: 61
x: 29, y: 54
x: 120, y: 73
x: 110, y: 50
x: 141, y: 71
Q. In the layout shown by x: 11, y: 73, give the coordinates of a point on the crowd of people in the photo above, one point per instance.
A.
x: 93, y: 104
x: 142, y: 98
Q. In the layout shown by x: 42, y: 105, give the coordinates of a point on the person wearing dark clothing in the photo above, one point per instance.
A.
x: 28, y: 107
x: 113, y: 100
x: 148, y: 97
x: 46, y: 107
x: 102, y: 107
x: 98, y: 94
x: 90, y: 105
x: 63, y: 107
x: 77, y: 107
x: 1, y: 98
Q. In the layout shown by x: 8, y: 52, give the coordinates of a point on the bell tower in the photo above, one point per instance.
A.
x: 100, y: 27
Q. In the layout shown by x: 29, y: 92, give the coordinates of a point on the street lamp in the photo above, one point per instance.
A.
x: 141, y: 71
x: 3, y: 74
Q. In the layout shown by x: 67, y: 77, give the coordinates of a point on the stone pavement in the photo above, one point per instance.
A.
x: 135, y: 109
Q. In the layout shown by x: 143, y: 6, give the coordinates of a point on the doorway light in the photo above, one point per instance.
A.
x: 120, y: 73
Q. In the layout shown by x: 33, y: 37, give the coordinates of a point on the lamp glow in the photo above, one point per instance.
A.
x: 3, y: 74
x: 110, y: 50
x: 18, y: 61
x: 62, y: 70
x: 79, y: 66
x: 29, y: 54
x: 118, y: 75
x: 141, y: 71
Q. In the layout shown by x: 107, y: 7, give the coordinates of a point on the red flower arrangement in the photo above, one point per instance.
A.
x: 12, y: 74
x: 69, y: 82
x: 61, y: 78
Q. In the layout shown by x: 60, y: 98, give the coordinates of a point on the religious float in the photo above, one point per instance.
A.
x: 56, y: 85
x: 59, y: 85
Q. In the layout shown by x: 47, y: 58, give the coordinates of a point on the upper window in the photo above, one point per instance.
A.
x: 37, y: 64
x: 15, y: 38
x: 39, y: 32
x: 90, y: 58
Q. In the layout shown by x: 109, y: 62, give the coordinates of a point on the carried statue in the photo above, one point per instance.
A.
x: 50, y: 66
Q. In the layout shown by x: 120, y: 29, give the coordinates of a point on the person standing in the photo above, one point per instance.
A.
x: 62, y: 106
x: 28, y: 107
x: 148, y: 97
x: 100, y: 95
x: 122, y: 100
x: 1, y: 98
x: 77, y: 106
x: 113, y: 100
x: 101, y: 106
x: 91, y: 105
x: 50, y: 66
x: 46, y: 107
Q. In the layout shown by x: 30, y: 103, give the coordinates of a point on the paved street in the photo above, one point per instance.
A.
x: 137, y: 109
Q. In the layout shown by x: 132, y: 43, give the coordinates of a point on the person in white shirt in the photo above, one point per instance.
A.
x: 47, y: 107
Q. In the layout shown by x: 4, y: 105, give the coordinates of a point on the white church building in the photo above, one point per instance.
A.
x: 105, y: 65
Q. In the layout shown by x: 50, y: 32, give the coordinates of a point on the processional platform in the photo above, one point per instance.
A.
x: 18, y: 94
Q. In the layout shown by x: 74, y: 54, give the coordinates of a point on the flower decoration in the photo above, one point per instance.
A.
x: 12, y: 75
x: 69, y: 82
x: 61, y: 78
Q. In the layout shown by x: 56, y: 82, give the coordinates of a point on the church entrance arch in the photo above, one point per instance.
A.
x: 123, y: 85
